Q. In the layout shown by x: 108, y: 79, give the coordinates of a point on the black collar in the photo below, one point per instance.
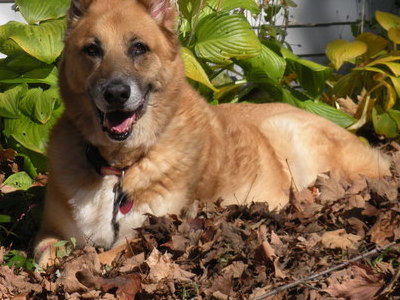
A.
x: 100, y: 165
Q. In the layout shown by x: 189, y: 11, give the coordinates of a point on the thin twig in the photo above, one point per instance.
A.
x: 281, y: 288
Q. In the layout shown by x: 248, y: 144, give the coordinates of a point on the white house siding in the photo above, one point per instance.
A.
x: 7, y: 14
x: 314, y: 23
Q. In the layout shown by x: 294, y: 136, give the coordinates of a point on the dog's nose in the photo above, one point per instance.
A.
x: 117, y: 92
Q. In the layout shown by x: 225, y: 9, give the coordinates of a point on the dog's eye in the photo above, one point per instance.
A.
x: 138, y: 49
x: 93, y: 50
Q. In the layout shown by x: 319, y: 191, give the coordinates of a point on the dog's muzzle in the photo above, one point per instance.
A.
x: 122, y: 105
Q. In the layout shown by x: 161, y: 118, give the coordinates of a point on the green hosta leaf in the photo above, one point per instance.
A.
x: 340, y: 51
x: 267, y: 64
x: 7, y: 45
x: 228, y: 5
x: 311, y: 76
x: 7, y: 73
x: 374, y: 42
x: 348, y: 85
x: 20, y: 180
x: 394, y: 67
x: 384, y: 124
x: 396, y: 84
x: 394, y: 35
x: 47, y: 75
x: 221, y: 36
x: 39, y: 104
x: 287, y: 54
x: 395, y: 115
x: 23, y: 62
x: 194, y: 70
x: 35, y: 11
x: 28, y: 133
x: 9, y: 101
x: 387, y: 20
x: 189, y: 8
x: 28, y: 165
x: 44, y: 41
x: 328, y: 112
x: 319, y: 108
x: 384, y: 60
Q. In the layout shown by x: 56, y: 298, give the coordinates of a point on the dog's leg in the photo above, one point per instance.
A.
x: 45, y: 252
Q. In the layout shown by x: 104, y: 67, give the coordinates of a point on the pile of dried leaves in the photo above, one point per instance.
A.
x: 239, y: 252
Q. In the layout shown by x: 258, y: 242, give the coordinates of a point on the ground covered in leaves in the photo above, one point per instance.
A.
x: 334, y: 240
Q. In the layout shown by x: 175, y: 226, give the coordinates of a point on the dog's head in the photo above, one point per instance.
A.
x: 120, y: 60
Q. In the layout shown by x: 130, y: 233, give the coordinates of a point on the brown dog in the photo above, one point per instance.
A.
x: 135, y: 138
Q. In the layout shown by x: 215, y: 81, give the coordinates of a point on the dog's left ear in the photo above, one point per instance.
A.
x: 77, y: 9
x: 163, y: 12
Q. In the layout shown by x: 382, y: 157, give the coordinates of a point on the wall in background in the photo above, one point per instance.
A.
x: 7, y: 14
x: 314, y: 23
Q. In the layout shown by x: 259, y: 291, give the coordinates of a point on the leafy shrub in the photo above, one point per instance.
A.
x: 375, y: 75
x: 230, y: 63
x: 29, y: 100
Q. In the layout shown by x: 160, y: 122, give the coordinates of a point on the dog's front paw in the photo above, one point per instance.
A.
x: 45, y: 252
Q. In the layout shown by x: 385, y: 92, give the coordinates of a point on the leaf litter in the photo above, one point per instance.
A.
x: 319, y: 247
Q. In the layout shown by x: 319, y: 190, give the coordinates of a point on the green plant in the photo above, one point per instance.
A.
x: 29, y: 100
x: 227, y: 62
x: 374, y: 79
x: 64, y: 248
x: 18, y: 259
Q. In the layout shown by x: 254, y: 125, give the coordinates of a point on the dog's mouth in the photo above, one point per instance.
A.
x: 119, y: 123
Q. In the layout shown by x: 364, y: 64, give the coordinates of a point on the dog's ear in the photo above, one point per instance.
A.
x: 163, y: 12
x: 77, y: 10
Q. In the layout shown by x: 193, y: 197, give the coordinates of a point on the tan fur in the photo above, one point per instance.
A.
x: 181, y: 149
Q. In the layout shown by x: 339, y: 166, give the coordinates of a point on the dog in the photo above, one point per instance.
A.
x: 135, y: 138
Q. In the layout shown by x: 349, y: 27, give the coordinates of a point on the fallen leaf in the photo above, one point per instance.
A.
x: 347, y: 105
x: 11, y: 283
x: 87, y: 261
x: 331, y: 189
x: 236, y: 269
x: 339, y: 239
x: 7, y: 155
x: 384, y: 187
x: 107, y: 257
x: 358, y: 226
x: 386, y: 228
x: 363, y: 285
x: 162, y: 267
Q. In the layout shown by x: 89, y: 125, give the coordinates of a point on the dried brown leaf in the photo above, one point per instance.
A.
x: 236, y: 269
x: 358, y: 226
x: 7, y: 155
x: 347, y: 105
x: 386, y: 228
x: 386, y: 188
x: 339, y: 239
x: 162, y: 267
x: 363, y: 285
x: 356, y: 201
x: 331, y: 189
x: 11, y: 283
x: 87, y: 261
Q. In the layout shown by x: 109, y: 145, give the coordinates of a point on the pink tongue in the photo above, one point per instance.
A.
x: 120, y: 127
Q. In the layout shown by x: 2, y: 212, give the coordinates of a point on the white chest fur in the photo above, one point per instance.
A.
x: 93, y: 211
